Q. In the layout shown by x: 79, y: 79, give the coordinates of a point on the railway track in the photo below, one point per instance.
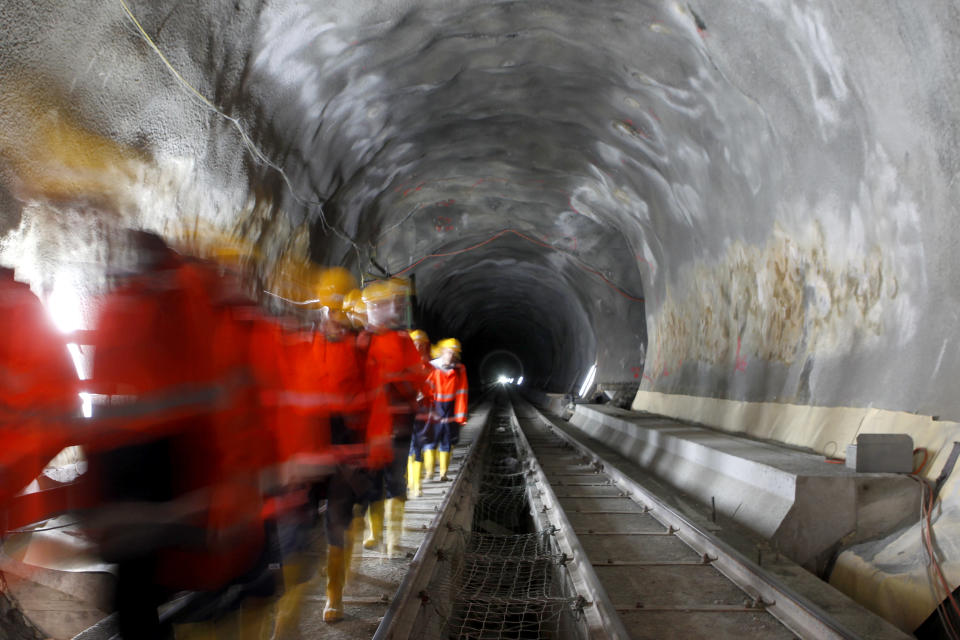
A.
x: 552, y: 540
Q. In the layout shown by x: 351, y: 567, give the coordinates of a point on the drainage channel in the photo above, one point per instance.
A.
x: 665, y: 576
x: 494, y: 568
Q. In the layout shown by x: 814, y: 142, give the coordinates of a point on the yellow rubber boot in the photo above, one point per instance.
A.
x: 257, y: 617
x: 414, y: 479
x: 444, y: 458
x: 429, y: 458
x: 374, y: 525
x: 410, y: 461
x: 336, y: 576
x: 288, y: 607
x: 351, y: 536
x: 394, y: 525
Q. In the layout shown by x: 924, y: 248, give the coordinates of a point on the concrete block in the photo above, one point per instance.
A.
x: 807, y: 508
x: 881, y: 453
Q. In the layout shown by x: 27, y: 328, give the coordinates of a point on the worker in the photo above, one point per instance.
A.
x: 422, y: 342
x: 355, y: 425
x: 244, y: 350
x: 394, y: 368
x: 39, y: 399
x: 448, y: 381
x: 179, y: 505
x: 418, y: 457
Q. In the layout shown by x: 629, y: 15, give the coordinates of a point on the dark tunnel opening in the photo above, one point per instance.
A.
x: 509, y: 299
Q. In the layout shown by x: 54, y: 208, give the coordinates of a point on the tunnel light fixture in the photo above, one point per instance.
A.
x: 588, y: 381
x: 64, y: 306
x: 86, y: 404
x: 520, y: 380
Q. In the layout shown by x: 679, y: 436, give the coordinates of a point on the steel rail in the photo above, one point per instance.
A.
x: 401, y: 615
x: 795, y: 611
x: 600, y: 613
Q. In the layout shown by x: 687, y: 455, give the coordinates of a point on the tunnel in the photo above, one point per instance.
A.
x: 739, y: 214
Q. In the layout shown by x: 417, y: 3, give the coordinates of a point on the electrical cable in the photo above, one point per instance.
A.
x: 935, y: 571
x: 248, y: 142
x: 262, y: 158
x: 926, y: 456
x: 303, y: 302
x: 583, y: 265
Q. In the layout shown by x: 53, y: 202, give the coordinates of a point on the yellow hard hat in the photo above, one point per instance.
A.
x: 332, y: 285
x: 419, y: 336
x: 351, y: 299
x: 434, y: 351
x: 449, y: 343
x: 227, y: 254
x: 385, y: 290
x: 355, y: 308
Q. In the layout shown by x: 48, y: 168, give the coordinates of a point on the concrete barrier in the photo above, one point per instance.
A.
x: 809, y: 509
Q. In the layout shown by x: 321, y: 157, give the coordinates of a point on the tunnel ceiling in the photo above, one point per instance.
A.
x: 764, y: 188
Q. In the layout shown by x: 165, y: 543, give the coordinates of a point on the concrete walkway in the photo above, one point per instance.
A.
x: 375, y: 578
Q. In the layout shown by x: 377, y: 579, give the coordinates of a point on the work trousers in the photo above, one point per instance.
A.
x: 445, y: 432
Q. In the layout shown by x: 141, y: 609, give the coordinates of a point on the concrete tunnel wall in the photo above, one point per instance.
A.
x: 734, y: 203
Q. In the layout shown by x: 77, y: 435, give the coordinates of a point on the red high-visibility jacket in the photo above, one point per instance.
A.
x: 394, y: 364
x: 177, y: 368
x: 450, y: 385
x: 38, y: 389
x: 301, y: 406
x: 395, y: 369
x: 152, y: 357
x: 324, y: 377
x: 242, y: 343
x: 266, y: 354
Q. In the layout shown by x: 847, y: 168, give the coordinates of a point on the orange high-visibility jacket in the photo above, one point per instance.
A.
x: 38, y: 389
x: 340, y: 373
x: 175, y: 367
x: 302, y: 403
x: 152, y: 356
x: 395, y: 370
x: 394, y: 365
x: 450, y: 385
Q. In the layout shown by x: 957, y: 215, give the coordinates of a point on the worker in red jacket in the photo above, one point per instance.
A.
x: 39, y: 400
x: 420, y: 457
x: 393, y: 367
x: 333, y: 383
x: 244, y: 352
x: 180, y: 507
x: 448, y: 383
